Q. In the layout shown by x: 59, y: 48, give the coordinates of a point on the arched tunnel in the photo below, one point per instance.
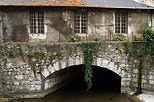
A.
x: 103, y: 80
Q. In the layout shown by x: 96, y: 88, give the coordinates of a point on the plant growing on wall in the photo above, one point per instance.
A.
x: 148, y: 34
x: 73, y: 38
x: 89, y: 50
x: 97, y: 38
x: 141, y: 53
x: 118, y: 38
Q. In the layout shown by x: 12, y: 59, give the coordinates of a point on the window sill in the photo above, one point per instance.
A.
x: 81, y: 35
x: 38, y: 36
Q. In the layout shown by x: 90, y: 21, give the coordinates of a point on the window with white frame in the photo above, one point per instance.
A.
x: 36, y: 22
x: 121, y: 22
x: 80, y: 22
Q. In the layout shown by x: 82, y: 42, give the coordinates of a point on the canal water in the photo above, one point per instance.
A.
x: 74, y: 94
x: 106, y: 88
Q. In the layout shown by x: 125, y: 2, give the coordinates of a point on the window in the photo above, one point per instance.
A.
x: 121, y: 22
x: 36, y: 22
x: 80, y: 22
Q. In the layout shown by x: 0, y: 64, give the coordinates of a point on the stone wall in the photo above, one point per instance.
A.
x: 36, y: 69
x: 59, y: 23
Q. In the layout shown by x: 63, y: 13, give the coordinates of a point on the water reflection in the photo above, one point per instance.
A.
x: 72, y: 94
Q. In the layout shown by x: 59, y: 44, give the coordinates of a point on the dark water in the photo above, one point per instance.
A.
x: 72, y: 94
x: 106, y: 88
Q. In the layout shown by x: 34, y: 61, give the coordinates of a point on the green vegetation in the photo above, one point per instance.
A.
x: 138, y: 38
x: 97, y: 38
x: 89, y: 50
x: 73, y: 38
x: 141, y: 53
x: 118, y: 38
x: 148, y: 34
x: 42, y: 40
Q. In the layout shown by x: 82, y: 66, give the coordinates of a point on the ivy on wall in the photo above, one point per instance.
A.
x: 89, y: 50
x: 141, y: 53
x: 37, y: 59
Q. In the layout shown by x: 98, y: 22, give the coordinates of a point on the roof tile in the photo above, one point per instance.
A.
x: 78, y: 3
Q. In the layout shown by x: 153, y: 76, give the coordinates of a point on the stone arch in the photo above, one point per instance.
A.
x: 100, y: 62
x: 104, y: 63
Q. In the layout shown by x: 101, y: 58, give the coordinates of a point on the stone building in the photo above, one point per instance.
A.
x: 55, y: 20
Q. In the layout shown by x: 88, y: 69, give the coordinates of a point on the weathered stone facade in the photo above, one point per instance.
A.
x: 59, y: 23
x: 39, y: 68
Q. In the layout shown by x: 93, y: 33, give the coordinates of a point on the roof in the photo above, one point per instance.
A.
x: 78, y: 3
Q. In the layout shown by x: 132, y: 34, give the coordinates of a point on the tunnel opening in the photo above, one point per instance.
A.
x: 106, y: 80
x: 103, y: 80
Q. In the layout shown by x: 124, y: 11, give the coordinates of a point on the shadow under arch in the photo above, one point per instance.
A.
x: 106, y: 80
x: 72, y: 78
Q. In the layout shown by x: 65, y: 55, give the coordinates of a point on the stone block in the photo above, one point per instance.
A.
x: 134, y: 75
x: 16, y: 83
x: 150, y: 77
x: 147, y: 86
x: 36, y: 82
x: 19, y: 77
x: 134, y: 79
x: 144, y: 81
x: 51, y: 69
x: 32, y: 88
x: 135, y: 71
x: 1, y: 84
x: 63, y: 64
x: 56, y: 66
x: 111, y: 65
x: 151, y: 82
x: 51, y: 84
x: 37, y: 87
x: 142, y: 85
x: 136, y: 61
x: 143, y: 76
x: 45, y: 72
x: 8, y: 65
x: 77, y: 61
x: 46, y: 85
x: 70, y: 62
